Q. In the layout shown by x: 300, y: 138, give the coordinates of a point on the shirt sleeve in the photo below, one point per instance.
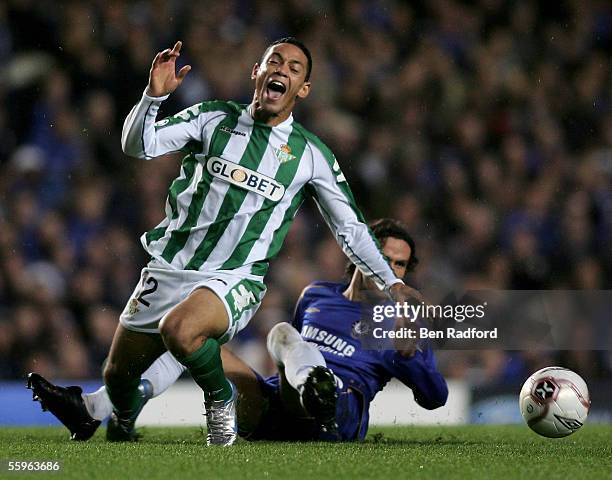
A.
x: 336, y: 203
x: 143, y: 138
x: 420, y: 374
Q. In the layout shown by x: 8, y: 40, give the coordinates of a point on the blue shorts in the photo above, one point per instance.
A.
x: 277, y: 424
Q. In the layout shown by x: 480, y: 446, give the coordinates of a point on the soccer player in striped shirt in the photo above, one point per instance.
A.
x: 246, y: 171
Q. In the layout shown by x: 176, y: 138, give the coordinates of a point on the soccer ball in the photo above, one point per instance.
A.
x: 554, y: 402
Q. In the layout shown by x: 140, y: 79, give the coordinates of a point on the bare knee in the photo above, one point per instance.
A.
x: 179, y: 338
x: 200, y: 316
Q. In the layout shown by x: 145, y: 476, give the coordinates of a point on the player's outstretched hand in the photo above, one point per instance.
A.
x: 163, y: 78
x: 403, y: 293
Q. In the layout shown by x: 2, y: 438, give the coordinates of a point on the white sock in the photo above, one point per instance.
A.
x: 289, y: 350
x: 98, y: 404
x: 162, y: 373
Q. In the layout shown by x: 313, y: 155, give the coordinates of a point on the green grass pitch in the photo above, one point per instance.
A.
x: 390, y: 453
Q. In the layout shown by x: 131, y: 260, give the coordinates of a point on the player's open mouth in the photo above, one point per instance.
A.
x: 275, y: 90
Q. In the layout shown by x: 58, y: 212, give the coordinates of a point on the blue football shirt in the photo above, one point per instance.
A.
x: 326, y: 318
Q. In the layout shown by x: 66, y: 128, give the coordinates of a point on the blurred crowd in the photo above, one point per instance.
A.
x: 484, y: 126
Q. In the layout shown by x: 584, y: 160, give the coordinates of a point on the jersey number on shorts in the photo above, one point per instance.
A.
x: 148, y: 281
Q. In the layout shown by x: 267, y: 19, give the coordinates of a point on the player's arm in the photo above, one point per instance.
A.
x: 336, y: 203
x: 141, y: 136
x: 419, y: 373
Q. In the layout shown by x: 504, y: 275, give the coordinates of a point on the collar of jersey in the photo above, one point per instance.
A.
x: 285, y: 124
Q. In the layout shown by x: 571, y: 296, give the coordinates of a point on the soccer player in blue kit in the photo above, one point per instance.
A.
x: 326, y: 378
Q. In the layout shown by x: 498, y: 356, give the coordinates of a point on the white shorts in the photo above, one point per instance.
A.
x: 161, y: 289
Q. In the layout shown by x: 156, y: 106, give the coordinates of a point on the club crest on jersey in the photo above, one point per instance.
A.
x: 360, y: 329
x: 245, y: 178
x: 283, y: 153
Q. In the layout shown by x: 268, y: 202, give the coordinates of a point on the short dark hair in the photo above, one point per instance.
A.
x: 297, y: 43
x: 384, y: 228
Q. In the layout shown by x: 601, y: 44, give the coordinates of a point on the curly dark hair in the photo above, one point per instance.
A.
x: 384, y: 228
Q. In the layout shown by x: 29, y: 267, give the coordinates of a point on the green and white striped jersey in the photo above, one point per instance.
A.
x: 240, y: 185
